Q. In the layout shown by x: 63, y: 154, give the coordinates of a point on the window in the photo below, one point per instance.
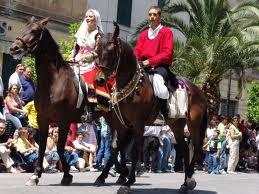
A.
x: 233, y: 105
x: 124, y: 12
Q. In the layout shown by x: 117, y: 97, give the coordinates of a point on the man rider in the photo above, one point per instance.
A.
x: 155, y: 49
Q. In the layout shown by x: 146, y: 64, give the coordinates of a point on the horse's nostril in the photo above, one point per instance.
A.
x: 14, y: 48
x: 100, y: 81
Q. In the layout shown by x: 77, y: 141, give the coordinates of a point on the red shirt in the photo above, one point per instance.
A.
x: 158, y: 50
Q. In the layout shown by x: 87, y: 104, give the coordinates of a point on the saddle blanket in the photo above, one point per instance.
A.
x: 178, y: 103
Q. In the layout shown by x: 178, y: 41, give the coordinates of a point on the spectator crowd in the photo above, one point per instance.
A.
x: 230, y: 144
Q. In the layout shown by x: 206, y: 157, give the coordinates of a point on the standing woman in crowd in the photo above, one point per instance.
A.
x: 83, y: 53
x: 234, y: 139
x: 13, y: 108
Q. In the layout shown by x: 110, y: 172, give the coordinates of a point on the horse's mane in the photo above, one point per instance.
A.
x: 50, y: 47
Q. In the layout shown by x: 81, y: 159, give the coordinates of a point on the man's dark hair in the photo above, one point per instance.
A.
x: 2, y: 121
x: 159, y: 11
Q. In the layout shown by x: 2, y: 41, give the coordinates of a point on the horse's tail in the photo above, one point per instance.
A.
x: 203, y: 128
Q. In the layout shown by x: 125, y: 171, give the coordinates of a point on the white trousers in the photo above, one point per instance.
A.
x: 160, y: 90
x: 233, y: 155
x: 5, y: 155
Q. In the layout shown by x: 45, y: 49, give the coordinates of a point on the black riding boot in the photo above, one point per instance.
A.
x: 164, y: 109
x: 88, y: 117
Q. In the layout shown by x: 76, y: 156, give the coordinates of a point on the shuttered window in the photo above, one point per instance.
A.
x: 124, y: 12
x: 233, y: 106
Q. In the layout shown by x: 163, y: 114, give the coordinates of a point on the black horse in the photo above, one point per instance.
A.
x: 135, y: 106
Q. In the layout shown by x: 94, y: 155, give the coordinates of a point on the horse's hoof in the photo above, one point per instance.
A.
x: 191, y: 183
x: 183, y: 189
x: 123, y: 190
x: 121, y: 180
x: 67, y: 180
x: 99, y: 182
x: 33, y: 181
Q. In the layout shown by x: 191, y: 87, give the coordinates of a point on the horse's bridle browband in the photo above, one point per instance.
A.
x: 30, y: 48
x: 118, y: 55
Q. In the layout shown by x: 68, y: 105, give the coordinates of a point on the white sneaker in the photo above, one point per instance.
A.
x: 93, y: 169
x: 231, y: 172
x: 73, y: 169
x: 223, y: 172
x: 13, y: 170
x: 112, y: 173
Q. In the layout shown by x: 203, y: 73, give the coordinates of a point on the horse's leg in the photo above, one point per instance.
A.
x: 63, y: 131
x: 185, y: 149
x: 197, y: 129
x: 43, y: 133
x: 105, y: 172
x: 137, y: 146
x: 190, y: 154
x: 113, y: 158
x: 122, y: 168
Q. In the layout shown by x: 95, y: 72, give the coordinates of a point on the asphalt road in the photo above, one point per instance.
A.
x: 242, y: 183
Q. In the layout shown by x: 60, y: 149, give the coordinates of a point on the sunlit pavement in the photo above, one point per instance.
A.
x: 242, y: 183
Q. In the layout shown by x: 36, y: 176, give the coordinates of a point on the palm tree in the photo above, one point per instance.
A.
x: 219, y: 39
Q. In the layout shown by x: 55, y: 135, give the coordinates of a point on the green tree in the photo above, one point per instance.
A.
x: 253, y: 102
x: 67, y: 46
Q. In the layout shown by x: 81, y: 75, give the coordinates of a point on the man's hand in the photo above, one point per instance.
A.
x: 145, y: 63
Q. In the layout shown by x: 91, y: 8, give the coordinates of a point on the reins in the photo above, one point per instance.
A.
x: 30, y: 48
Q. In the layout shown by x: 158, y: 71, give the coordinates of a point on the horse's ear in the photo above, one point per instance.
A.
x: 116, y: 31
x: 97, y: 36
x: 44, y: 22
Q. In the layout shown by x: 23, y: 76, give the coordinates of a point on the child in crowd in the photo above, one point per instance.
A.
x: 84, y: 149
x: 214, y: 153
x: 71, y: 156
x: 51, y: 148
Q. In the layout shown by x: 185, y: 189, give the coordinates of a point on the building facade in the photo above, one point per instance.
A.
x: 128, y: 13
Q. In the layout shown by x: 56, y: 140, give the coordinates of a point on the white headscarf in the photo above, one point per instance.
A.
x: 83, y: 29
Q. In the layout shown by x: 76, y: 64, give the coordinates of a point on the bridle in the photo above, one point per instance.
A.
x: 118, y: 55
x: 30, y: 48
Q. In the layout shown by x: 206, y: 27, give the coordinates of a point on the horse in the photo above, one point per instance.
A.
x: 56, y: 93
x: 135, y: 105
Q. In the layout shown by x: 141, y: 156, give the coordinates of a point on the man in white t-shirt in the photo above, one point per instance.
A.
x: 15, y: 77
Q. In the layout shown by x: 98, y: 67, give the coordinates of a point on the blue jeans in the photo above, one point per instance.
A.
x: 71, y: 158
x: 52, y: 156
x: 164, y: 153
x: 213, y: 163
x: 15, y: 121
x: 104, y: 151
x: 31, y: 158
x: 222, y: 159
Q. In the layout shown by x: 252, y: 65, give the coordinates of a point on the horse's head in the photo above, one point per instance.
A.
x: 29, y: 41
x: 108, y: 49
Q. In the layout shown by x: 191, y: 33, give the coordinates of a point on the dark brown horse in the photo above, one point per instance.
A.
x: 56, y: 93
x: 136, y: 106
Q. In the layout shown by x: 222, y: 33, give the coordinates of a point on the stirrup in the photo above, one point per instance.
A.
x: 160, y: 120
x: 87, y: 118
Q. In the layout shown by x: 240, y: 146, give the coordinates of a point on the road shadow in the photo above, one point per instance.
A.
x: 92, y: 184
x: 167, y: 191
